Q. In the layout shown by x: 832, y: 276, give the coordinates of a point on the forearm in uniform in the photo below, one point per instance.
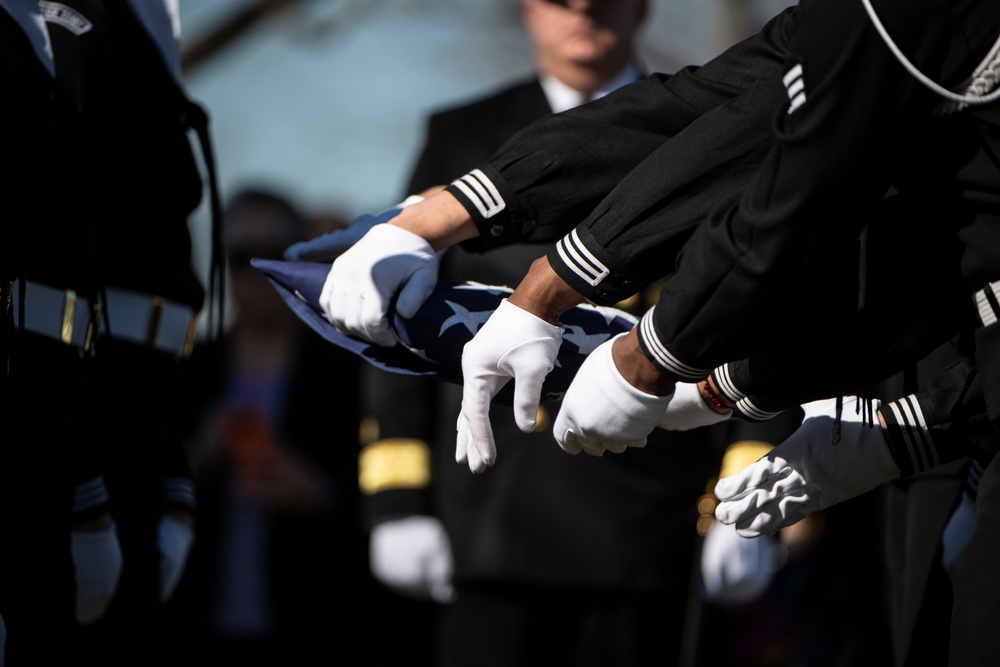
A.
x: 830, y: 165
x: 552, y: 174
x: 635, y: 234
x: 942, y: 423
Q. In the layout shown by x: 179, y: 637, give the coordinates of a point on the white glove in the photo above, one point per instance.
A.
x: 806, y: 472
x: 512, y: 344
x: 413, y: 557
x: 97, y: 557
x: 362, y: 282
x: 688, y: 410
x: 734, y: 569
x: 174, y: 539
x: 602, y: 412
x: 327, y: 247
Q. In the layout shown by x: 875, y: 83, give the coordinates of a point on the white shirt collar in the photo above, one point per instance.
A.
x: 561, y: 97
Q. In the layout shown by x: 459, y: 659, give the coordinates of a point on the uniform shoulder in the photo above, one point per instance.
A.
x: 486, y: 103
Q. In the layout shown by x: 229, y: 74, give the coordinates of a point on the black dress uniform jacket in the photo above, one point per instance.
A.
x: 554, y: 524
x: 103, y: 180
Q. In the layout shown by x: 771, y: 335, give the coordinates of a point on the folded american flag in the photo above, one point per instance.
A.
x: 432, y: 340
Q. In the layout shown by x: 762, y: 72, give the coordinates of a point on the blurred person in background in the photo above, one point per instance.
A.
x: 102, y: 300
x: 278, y: 573
x: 547, y: 559
x: 792, y: 598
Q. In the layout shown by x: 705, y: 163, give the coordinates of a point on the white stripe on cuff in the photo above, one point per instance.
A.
x: 914, y: 432
x: 481, y: 192
x: 724, y: 383
x: 580, y: 260
x: 660, y: 354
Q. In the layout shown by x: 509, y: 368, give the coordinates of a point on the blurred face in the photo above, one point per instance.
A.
x: 255, y: 235
x: 583, y: 32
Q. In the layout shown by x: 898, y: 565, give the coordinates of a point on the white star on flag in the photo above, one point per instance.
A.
x: 463, y: 316
x: 585, y: 343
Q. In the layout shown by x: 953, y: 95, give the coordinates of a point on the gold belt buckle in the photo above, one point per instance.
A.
x: 93, y: 324
x: 69, y: 313
x: 156, y: 306
x: 190, y: 337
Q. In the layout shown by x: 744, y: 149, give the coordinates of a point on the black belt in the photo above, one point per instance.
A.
x: 143, y: 319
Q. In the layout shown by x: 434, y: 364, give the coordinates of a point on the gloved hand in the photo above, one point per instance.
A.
x: 174, y: 539
x: 734, y: 569
x: 413, y: 557
x: 806, y: 472
x: 97, y: 557
x: 362, y: 282
x: 688, y: 410
x: 602, y: 412
x: 328, y: 247
x: 512, y: 344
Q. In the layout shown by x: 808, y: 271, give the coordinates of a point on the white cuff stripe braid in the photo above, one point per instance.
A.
x: 988, y: 303
x: 179, y: 490
x: 724, y: 383
x: 580, y: 260
x: 660, y: 354
x: 915, y: 434
x: 746, y: 407
x: 481, y: 192
x: 90, y: 494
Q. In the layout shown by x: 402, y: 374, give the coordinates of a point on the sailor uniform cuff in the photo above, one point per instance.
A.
x: 748, y: 410
x: 909, y: 436
x: 90, y: 497
x: 486, y: 198
x: 728, y: 378
x: 732, y: 380
x: 179, y: 493
x: 660, y: 356
x: 580, y: 261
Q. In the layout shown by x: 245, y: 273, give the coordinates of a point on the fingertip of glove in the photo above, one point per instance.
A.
x: 526, y: 427
x: 480, y: 467
x: 568, y: 443
x: 745, y: 532
x: 723, y: 490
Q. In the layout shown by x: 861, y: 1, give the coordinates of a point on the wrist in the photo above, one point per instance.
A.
x: 713, y: 398
x: 439, y: 219
x: 543, y: 293
x: 639, y: 371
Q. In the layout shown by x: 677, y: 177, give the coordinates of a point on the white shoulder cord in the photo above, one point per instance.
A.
x: 981, y: 89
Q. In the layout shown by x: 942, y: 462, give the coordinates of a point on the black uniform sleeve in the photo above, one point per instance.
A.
x: 395, y: 464
x: 943, y: 423
x: 850, y: 121
x: 915, y: 298
x: 551, y: 175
